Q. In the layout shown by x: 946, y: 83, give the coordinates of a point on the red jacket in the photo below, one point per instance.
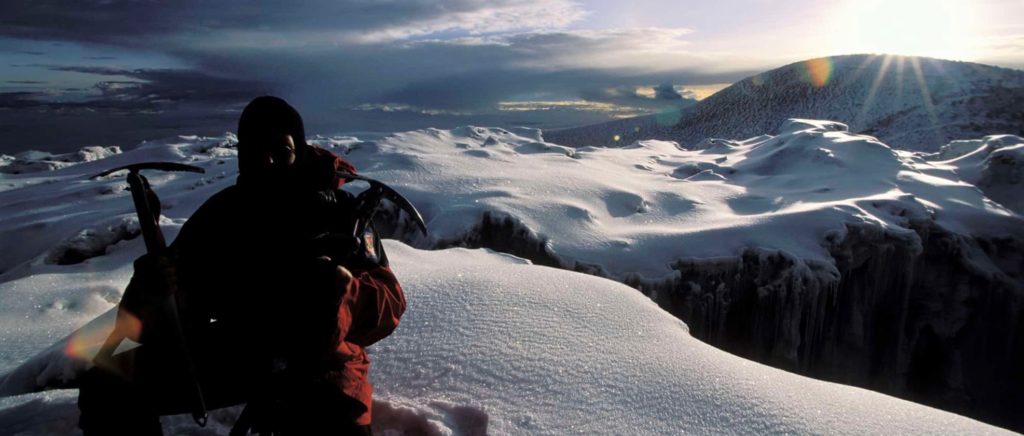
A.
x: 369, y: 312
x: 238, y: 262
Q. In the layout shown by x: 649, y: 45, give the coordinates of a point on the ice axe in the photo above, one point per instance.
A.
x: 366, y: 207
x: 141, y: 195
x: 149, y: 215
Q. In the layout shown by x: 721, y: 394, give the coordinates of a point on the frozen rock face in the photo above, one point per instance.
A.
x: 909, y: 316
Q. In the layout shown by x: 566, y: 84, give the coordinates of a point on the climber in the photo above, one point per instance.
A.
x: 276, y: 301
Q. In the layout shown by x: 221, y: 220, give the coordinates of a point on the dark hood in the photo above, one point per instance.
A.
x: 269, y: 115
x: 314, y: 168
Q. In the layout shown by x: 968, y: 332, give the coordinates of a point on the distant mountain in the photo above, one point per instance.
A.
x: 908, y: 102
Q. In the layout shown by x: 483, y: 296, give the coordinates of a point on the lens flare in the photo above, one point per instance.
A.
x: 818, y: 71
x: 86, y: 342
x: 668, y: 116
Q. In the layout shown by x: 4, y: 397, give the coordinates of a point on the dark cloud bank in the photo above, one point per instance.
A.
x: 385, y: 53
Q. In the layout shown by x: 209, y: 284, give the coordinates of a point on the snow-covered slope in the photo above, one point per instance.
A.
x: 492, y: 343
x: 629, y: 210
x: 637, y: 209
x: 816, y: 250
x: 907, y: 102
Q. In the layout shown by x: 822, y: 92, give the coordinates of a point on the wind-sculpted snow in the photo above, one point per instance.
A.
x: 816, y: 250
x: 908, y: 102
x: 492, y: 344
x: 32, y: 161
x: 994, y: 163
x: 637, y: 209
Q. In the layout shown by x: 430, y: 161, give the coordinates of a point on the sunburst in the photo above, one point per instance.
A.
x: 895, y: 64
x: 934, y: 28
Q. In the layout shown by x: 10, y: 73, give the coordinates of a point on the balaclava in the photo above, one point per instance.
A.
x: 268, y: 115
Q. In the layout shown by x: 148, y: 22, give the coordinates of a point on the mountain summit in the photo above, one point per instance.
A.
x: 908, y: 102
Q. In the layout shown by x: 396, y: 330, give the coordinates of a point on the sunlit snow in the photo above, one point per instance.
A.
x: 490, y: 340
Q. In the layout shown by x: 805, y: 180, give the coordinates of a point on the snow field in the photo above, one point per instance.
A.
x: 545, y: 351
x: 490, y: 340
x: 493, y: 342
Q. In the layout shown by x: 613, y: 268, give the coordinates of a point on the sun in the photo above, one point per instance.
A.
x: 935, y: 28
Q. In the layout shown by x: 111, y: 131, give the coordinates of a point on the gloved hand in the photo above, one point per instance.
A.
x: 155, y: 277
x: 332, y: 210
x: 338, y: 248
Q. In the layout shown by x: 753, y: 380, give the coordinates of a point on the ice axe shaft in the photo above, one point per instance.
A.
x: 156, y: 245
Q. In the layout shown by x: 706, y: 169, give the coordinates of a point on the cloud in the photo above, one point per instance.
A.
x: 691, y: 93
x: 616, y: 94
x: 498, y: 17
x: 466, y: 73
x: 582, y: 64
x: 666, y: 91
x: 151, y: 104
x: 343, y: 58
x: 20, y: 99
x: 312, y: 22
x: 472, y: 72
x: 643, y: 98
x: 402, y: 107
x: 451, y: 55
x: 148, y: 90
x: 650, y: 48
x: 610, y: 109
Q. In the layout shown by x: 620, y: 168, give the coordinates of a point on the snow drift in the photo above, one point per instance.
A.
x: 994, y: 163
x: 493, y: 344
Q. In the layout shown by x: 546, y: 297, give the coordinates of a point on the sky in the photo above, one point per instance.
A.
x: 115, y: 72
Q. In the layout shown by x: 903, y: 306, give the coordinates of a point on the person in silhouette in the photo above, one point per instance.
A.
x: 277, y: 302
